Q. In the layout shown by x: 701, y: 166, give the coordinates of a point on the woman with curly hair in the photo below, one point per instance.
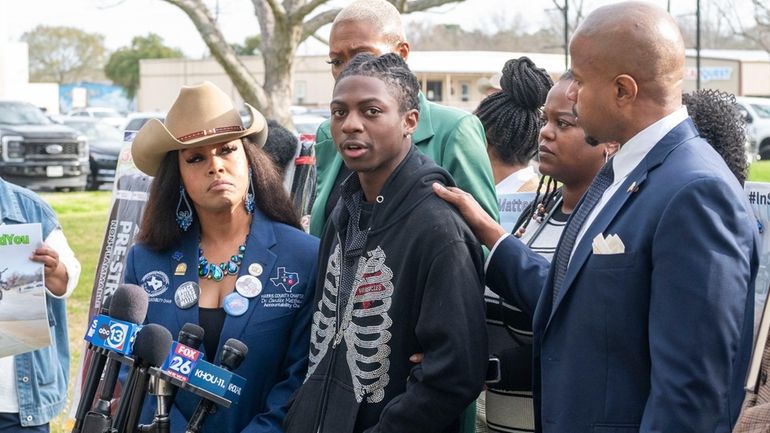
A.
x: 719, y: 121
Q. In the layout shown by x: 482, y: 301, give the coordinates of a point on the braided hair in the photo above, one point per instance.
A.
x: 511, y: 117
x: 393, y: 71
x: 544, y: 200
x: 719, y: 121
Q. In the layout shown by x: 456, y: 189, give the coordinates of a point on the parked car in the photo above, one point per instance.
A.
x: 38, y: 153
x: 104, y: 143
x: 135, y: 121
x: 307, y: 123
x: 107, y: 115
x: 757, y: 114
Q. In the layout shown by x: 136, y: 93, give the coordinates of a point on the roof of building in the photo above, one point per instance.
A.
x: 740, y: 55
x: 477, y: 62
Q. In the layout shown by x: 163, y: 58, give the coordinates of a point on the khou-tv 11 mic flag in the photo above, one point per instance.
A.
x: 187, y: 365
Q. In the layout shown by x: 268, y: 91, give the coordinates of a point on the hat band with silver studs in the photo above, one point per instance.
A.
x: 211, y: 131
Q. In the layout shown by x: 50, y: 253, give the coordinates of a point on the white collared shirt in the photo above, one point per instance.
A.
x: 628, y: 158
x: 515, y: 180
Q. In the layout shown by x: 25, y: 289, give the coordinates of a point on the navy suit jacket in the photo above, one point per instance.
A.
x: 276, y: 326
x: 655, y: 339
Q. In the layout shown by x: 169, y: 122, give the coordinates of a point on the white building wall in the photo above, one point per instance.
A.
x: 14, y: 70
x: 455, y: 70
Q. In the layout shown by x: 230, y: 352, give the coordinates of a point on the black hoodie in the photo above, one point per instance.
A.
x: 416, y: 287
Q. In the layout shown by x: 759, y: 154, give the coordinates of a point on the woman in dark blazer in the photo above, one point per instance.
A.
x: 220, y: 246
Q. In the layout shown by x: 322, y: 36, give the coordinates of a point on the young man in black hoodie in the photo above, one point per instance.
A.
x: 401, y: 273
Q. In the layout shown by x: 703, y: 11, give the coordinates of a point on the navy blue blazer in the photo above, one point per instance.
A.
x: 656, y: 339
x: 276, y: 326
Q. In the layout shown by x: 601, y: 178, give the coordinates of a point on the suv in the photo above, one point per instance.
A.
x: 104, y: 144
x: 38, y: 153
x: 757, y: 114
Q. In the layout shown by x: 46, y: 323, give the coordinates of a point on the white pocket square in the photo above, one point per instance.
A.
x: 609, y: 245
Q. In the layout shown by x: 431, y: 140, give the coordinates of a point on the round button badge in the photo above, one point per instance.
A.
x: 187, y: 295
x: 248, y: 286
x: 255, y: 269
x: 235, y: 304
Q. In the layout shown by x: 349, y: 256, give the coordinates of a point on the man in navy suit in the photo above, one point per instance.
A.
x: 644, y: 321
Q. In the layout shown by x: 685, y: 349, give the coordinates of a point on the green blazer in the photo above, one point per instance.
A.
x: 453, y: 138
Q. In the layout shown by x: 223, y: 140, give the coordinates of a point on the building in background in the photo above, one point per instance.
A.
x: 447, y: 77
x: 89, y: 94
x: 14, y: 76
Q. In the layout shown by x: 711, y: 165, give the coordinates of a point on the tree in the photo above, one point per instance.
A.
x: 250, y: 46
x: 123, y: 66
x: 283, y: 26
x: 758, y: 32
x: 64, y: 54
x: 566, y: 19
x: 509, y: 37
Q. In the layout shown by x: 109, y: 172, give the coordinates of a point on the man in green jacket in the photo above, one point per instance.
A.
x: 453, y: 138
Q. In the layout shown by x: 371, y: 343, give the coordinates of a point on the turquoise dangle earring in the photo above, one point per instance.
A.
x: 183, y: 217
x: 248, y: 202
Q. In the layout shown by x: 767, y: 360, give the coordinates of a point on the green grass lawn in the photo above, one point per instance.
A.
x: 83, y: 216
x: 760, y: 171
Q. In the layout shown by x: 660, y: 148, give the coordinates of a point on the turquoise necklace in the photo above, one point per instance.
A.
x: 216, y: 272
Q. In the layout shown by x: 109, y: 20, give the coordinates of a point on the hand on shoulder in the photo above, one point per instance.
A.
x: 486, y: 229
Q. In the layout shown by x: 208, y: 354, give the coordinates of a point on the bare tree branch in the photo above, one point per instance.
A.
x: 421, y: 5
x: 278, y: 11
x: 299, y: 15
x: 761, y: 32
x: 314, y: 24
x: 246, y: 84
x: 320, y: 39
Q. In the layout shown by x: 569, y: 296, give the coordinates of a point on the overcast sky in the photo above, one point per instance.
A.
x: 121, y: 20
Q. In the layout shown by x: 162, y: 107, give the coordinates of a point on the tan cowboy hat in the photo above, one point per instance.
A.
x: 201, y: 115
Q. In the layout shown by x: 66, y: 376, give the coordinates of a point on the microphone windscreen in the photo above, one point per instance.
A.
x: 237, y: 345
x: 191, y: 335
x: 232, y: 354
x: 129, y: 303
x: 152, y: 344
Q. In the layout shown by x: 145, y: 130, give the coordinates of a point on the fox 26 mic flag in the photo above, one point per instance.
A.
x: 187, y: 365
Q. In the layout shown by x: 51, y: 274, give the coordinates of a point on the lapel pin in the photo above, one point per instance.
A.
x: 187, y: 295
x: 177, y: 256
x: 180, y: 269
x: 235, y: 304
x: 633, y: 187
x: 255, y: 269
x: 248, y: 286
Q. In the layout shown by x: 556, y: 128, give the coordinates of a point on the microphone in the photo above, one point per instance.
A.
x: 151, y: 348
x: 230, y: 357
x: 129, y: 304
x: 191, y: 335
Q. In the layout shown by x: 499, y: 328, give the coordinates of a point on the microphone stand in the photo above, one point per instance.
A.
x: 204, y: 409
x: 161, y: 422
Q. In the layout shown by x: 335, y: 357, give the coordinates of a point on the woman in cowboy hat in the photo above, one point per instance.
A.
x: 220, y: 246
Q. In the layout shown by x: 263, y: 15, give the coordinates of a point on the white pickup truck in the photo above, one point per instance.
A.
x: 757, y: 113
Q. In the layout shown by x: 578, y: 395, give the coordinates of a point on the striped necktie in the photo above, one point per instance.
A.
x: 601, y: 182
